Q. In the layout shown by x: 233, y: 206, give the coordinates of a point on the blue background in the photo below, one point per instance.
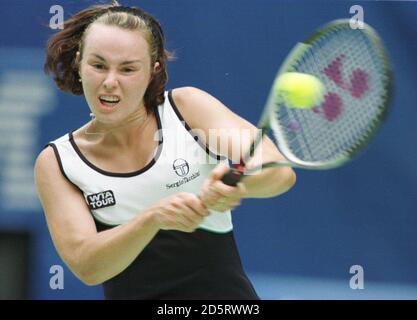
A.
x: 301, y: 244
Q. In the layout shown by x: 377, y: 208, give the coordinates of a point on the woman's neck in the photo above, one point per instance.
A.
x: 121, y: 135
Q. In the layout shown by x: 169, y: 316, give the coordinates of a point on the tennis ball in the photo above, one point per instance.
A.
x: 299, y: 90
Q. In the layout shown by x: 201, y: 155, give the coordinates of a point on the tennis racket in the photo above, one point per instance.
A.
x: 354, y: 68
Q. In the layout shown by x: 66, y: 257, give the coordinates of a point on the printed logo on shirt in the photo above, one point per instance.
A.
x: 181, y: 167
x: 184, y: 180
x: 101, y: 200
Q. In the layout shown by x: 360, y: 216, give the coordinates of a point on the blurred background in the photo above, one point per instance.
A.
x: 301, y: 245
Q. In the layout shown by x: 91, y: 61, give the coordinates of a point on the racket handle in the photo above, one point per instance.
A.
x: 233, y: 176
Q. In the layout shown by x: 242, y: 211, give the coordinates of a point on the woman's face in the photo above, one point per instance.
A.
x: 115, y: 70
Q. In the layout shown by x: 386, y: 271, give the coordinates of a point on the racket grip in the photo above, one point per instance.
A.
x: 233, y: 176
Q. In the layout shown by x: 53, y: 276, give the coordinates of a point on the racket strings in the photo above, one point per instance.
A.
x: 352, y: 68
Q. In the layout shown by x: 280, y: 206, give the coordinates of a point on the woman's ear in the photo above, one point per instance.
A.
x: 78, y: 61
x: 156, y: 67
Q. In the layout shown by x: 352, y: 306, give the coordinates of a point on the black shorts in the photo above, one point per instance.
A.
x: 179, y: 265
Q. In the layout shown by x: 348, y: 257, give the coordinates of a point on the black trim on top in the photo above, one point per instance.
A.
x: 58, y: 158
x: 128, y: 174
x: 61, y: 167
x: 189, y: 129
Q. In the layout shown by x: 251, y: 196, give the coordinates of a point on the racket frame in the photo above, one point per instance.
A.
x: 268, y: 120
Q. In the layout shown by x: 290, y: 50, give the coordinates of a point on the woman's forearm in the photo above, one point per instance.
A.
x: 106, y: 254
x: 269, y: 182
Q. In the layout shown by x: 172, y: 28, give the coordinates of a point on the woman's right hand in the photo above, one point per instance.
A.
x: 181, y: 211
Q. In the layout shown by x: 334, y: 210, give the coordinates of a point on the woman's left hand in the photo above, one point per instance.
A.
x: 218, y: 196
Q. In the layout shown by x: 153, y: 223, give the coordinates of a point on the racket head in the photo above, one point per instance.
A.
x: 355, y: 70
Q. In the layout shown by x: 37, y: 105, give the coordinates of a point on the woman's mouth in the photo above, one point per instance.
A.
x: 109, y: 101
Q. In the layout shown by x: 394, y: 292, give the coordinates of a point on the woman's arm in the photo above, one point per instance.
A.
x: 225, y: 132
x: 96, y: 257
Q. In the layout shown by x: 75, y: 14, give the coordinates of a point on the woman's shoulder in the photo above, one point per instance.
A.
x: 196, y: 105
x: 45, y: 164
x: 184, y: 96
x: 48, y: 156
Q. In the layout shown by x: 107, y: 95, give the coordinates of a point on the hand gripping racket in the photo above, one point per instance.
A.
x: 354, y: 68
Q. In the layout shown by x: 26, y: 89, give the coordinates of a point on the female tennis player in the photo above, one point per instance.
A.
x: 134, y: 199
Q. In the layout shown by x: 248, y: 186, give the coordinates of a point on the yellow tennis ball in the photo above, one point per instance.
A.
x: 299, y: 90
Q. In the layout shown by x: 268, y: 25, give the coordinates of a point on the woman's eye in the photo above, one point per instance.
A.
x: 128, y: 70
x: 98, y: 66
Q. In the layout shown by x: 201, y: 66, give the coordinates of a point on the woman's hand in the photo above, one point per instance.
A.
x: 218, y: 196
x: 181, y: 211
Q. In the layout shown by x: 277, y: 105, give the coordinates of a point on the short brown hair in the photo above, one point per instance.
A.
x: 61, y: 50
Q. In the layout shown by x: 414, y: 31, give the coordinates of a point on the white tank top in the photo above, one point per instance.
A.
x: 180, y: 164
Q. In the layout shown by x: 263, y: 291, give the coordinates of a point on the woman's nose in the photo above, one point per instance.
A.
x: 111, y: 82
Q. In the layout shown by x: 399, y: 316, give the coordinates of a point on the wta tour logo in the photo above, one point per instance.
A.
x: 101, y: 200
x: 181, y: 167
